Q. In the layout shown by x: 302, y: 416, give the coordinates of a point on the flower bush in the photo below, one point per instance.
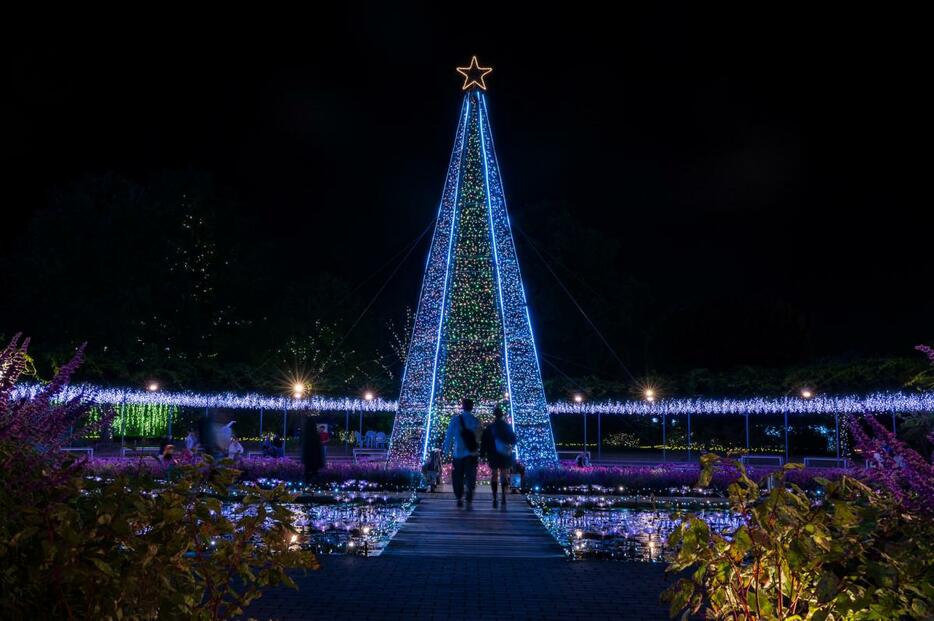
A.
x: 864, y: 550
x: 661, y: 479
x: 374, y: 476
x: 76, y: 546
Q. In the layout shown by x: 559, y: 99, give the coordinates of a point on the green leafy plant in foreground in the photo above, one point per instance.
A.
x: 143, y: 549
x: 853, y: 554
x: 76, y: 546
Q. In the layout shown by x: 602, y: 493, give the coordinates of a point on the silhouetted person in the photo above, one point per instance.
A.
x: 191, y: 442
x: 463, y: 436
x: 312, y: 453
x: 497, y: 446
x: 207, y: 435
x: 324, y: 437
x: 166, y: 448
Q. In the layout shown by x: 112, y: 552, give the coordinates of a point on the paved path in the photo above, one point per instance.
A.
x: 407, y: 588
x: 438, y: 528
x: 449, y: 564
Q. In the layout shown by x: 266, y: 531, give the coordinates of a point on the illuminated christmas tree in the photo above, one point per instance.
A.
x: 472, y: 335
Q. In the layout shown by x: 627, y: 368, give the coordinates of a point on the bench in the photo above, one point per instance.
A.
x: 762, y: 460
x: 368, y: 455
x: 80, y: 449
x: 140, y: 450
x: 827, y: 462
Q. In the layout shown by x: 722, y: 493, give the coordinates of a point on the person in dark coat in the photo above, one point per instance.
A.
x: 312, y: 454
x: 496, y: 445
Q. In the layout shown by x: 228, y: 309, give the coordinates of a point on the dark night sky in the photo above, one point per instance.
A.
x: 745, y: 153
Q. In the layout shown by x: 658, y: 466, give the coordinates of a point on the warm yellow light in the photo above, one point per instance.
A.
x: 579, y: 533
x: 475, y: 81
x: 366, y: 530
x: 153, y: 387
x: 294, y: 538
x: 650, y: 399
x: 368, y: 395
x: 807, y: 394
x: 578, y: 398
x: 298, y: 387
x: 649, y: 393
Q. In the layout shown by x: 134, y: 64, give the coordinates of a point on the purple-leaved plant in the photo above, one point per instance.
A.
x: 35, y: 430
x: 927, y: 351
x: 893, y: 466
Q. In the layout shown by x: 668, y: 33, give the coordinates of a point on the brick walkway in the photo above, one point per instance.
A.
x: 406, y: 587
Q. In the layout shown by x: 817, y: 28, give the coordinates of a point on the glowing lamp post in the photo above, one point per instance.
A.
x: 367, y: 396
x: 366, y: 541
x: 298, y: 392
x: 153, y: 386
x: 650, y: 395
x: 578, y: 399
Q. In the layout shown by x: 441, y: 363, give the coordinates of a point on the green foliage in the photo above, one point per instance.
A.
x: 73, y: 547
x: 917, y: 431
x: 853, y: 555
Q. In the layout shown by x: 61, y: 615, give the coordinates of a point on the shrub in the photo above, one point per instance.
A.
x: 370, y: 476
x: 73, y: 546
x: 858, y: 553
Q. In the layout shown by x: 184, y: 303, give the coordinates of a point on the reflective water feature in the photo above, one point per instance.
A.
x: 355, y: 523
x: 623, y: 528
x: 359, y: 523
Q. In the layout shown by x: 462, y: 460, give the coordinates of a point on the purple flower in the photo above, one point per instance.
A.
x: 893, y: 466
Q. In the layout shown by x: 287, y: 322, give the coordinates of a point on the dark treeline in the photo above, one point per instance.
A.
x: 165, y: 277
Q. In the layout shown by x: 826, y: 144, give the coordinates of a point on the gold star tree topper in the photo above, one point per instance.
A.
x: 474, y: 74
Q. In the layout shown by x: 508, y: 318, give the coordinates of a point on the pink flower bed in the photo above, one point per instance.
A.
x: 255, y: 468
x: 662, y: 478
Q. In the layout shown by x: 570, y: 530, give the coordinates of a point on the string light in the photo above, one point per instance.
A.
x: 474, y: 74
x: 879, y: 402
x: 101, y: 395
x: 472, y: 335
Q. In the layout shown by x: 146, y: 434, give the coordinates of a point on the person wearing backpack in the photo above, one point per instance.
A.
x: 497, y: 446
x: 463, y: 437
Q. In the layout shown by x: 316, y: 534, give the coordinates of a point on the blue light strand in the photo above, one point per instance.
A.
x: 521, y: 373
x: 409, y: 431
x: 447, y: 280
x: 821, y: 405
x: 536, y: 446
